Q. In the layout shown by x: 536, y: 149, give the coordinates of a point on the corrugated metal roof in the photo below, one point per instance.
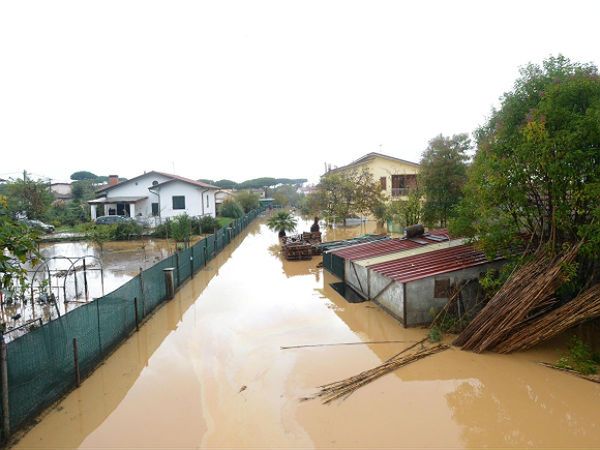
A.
x: 378, y: 259
x: 336, y: 245
x: 431, y: 263
x: 372, y: 249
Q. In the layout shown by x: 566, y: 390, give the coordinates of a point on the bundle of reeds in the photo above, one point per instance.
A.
x: 583, y: 307
x: 344, y: 388
x: 527, y: 292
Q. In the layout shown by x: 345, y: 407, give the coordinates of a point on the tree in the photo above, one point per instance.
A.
x: 29, y: 197
x: 282, y: 221
x: 231, y: 208
x: 17, y: 246
x: 247, y: 200
x: 537, y: 165
x: 344, y: 194
x: 83, y: 175
x: 313, y: 204
x: 406, y: 212
x: 443, y: 174
x: 83, y: 190
x: 286, y: 195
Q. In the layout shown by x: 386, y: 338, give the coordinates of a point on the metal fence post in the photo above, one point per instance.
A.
x: 137, y: 318
x: 192, y: 261
x: 143, y: 294
x: 99, y: 336
x: 169, y: 282
x: 85, y: 282
x: 76, y: 363
x: 177, y: 268
x: 4, y: 373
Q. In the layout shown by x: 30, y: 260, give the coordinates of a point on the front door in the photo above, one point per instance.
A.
x: 123, y: 209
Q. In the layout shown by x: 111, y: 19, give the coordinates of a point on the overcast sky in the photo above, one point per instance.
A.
x: 242, y: 89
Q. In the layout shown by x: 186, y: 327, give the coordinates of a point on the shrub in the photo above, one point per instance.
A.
x: 181, y: 228
x: 231, y: 208
x: 124, y: 231
x: 205, y: 225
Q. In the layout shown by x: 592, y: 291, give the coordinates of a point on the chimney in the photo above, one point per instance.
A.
x: 113, y: 179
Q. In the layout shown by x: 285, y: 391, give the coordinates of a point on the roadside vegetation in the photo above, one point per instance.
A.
x: 580, y: 358
x: 18, y: 245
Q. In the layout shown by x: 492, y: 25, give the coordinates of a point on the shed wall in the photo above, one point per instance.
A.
x: 420, y: 293
x: 392, y: 299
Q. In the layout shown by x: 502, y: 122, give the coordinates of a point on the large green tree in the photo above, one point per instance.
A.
x: 443, y: 173
x: 537, y: 165
x: 247, y: 200
x: 346, y: 194
x: 28, y: 196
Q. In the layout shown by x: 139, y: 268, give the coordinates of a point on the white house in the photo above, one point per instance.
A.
x: 155, y: 194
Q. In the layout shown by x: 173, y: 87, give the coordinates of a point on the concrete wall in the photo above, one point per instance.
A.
x: 420, y: 293
x: 392, y: 299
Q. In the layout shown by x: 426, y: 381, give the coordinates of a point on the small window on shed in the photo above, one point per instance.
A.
x: 179, y: 202
x: 441, y: 288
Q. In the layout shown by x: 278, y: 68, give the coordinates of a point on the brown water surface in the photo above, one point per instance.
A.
x: 207, y: 370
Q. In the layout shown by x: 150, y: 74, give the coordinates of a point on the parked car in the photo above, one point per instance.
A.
x: 111, y: 220
x: 39, y: 225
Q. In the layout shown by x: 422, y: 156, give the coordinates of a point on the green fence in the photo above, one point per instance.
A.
x: 41, y: 363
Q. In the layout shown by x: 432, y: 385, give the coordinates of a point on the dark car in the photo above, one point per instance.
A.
x: 39, y: 225
x: 111, y: 220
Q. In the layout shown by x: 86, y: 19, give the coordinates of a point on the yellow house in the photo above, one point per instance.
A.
x: 397, y: 176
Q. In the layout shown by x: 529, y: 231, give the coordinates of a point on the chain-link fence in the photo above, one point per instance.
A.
x: 41, y: 364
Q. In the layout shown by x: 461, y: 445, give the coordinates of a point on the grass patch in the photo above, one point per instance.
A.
x: 580, y: 358
x: 79, y: 228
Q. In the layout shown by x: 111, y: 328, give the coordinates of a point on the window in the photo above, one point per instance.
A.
x: 383, y: 181
x: 207, y: 202
x: 155, y: 209
x: 154, y: 183
x: 179, y: 202
x: 441, y: 288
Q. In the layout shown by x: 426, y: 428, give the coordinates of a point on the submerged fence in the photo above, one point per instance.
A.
x: 47, y: 362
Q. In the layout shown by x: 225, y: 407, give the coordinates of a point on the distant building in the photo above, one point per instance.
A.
x: 155, y: 195
x: 396, y: 176
x: 223, y: 194
x: 61, y: 191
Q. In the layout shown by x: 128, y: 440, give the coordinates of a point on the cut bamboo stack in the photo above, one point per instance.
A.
x: 526, y: 295
x: 583, y: 307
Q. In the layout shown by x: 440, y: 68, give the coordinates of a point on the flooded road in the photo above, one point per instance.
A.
x: 207, y: 371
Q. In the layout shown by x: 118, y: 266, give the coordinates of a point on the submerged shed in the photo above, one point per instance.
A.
x: 335, y: 264
x: 409, y: 287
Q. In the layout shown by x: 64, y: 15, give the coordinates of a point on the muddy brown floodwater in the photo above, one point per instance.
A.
x: 207, y: 370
